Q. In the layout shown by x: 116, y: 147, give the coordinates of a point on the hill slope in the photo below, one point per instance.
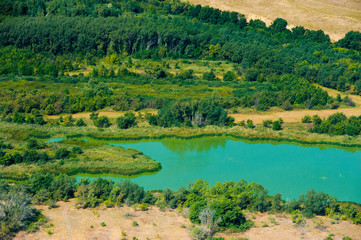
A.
x: 335, y: 17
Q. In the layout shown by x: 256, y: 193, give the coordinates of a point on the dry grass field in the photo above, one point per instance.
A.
x: 296, y: 116
x: 66, y: 222
x: 335, y: 17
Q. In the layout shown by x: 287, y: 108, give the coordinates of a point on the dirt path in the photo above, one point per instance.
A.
x: 335, y: 17
x: 67, y: 223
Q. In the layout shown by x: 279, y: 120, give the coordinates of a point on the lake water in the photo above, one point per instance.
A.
x: 284, y: 168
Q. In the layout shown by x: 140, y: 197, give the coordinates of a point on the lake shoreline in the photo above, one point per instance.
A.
x: 292, y: 133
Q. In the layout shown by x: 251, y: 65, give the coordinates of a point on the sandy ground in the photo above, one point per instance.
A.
x: 74, y: 224
x: 71, y: 223
x: 285, y: 229
x: 334, y: 17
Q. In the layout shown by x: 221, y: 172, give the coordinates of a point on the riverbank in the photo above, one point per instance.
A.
x: 293, y: 133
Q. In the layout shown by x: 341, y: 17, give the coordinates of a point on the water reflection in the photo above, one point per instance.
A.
x: 285, y: 168
x: 194, y: 145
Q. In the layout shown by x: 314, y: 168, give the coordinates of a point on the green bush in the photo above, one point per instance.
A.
x: 102, y: 122
x: 135, y: 224
x: 80, y: 123
x: 306, y: 119
x: 276, y: 125
x: 297, y: 218
x: 127, y: 121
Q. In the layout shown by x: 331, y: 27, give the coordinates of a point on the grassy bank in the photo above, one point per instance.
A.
x: 95, y: 158
x: 294, y: 133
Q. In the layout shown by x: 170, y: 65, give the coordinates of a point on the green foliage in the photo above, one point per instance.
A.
x: 306, y: 119
x: 127, y: 121
x: 267, y: 123
x: 351, y: 41
x: 297, y: 217
x: 76, y: 150
x: 209, y: 76
x: 102, y: 224
x: 135, y: 224
x: 316, y: 120
x: 17, y: 212
x: 230, y: 214
x: 250, y: 124
x: 210, y: 206
x: 229, y: 76
x: 279, y: 25
x: 188, y: 113
x: 80, y: 123
x: 337, y: 124
x: 61, y: 153
x: 277, y: 125
x: 102, y: 122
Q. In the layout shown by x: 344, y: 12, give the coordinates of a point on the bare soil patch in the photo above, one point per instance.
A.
x: 71, y: 223
x: 285, y: 229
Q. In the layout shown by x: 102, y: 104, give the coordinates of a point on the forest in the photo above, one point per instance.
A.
x: 45, y: 42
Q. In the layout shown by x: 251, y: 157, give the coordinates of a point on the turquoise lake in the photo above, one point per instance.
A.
x: 284, y: 168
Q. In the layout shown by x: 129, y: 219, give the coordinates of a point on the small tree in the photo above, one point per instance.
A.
x: 297, y: 217
x: 210, y: 76
x: 306, y: 119
x: 267, y: 123
x: 229, y: 76
x: 127, y: 121
x: 250, y: 124
x: 207, y: 218
x: 102, y: 122
x: 80, y: 123
x: 276, y: 125
x: 316, y: 120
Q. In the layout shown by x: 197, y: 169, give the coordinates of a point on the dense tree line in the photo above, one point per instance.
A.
x: 218, y: 207
x: 336, y: 124
x: 99, y: 28
x: 201, y: 112
x: 111, y: 8
x: 259, y: 53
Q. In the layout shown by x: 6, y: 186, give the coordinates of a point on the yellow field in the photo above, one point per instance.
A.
x: 335, y: 17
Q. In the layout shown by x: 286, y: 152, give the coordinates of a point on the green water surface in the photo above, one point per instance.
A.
x: 284, y: 168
